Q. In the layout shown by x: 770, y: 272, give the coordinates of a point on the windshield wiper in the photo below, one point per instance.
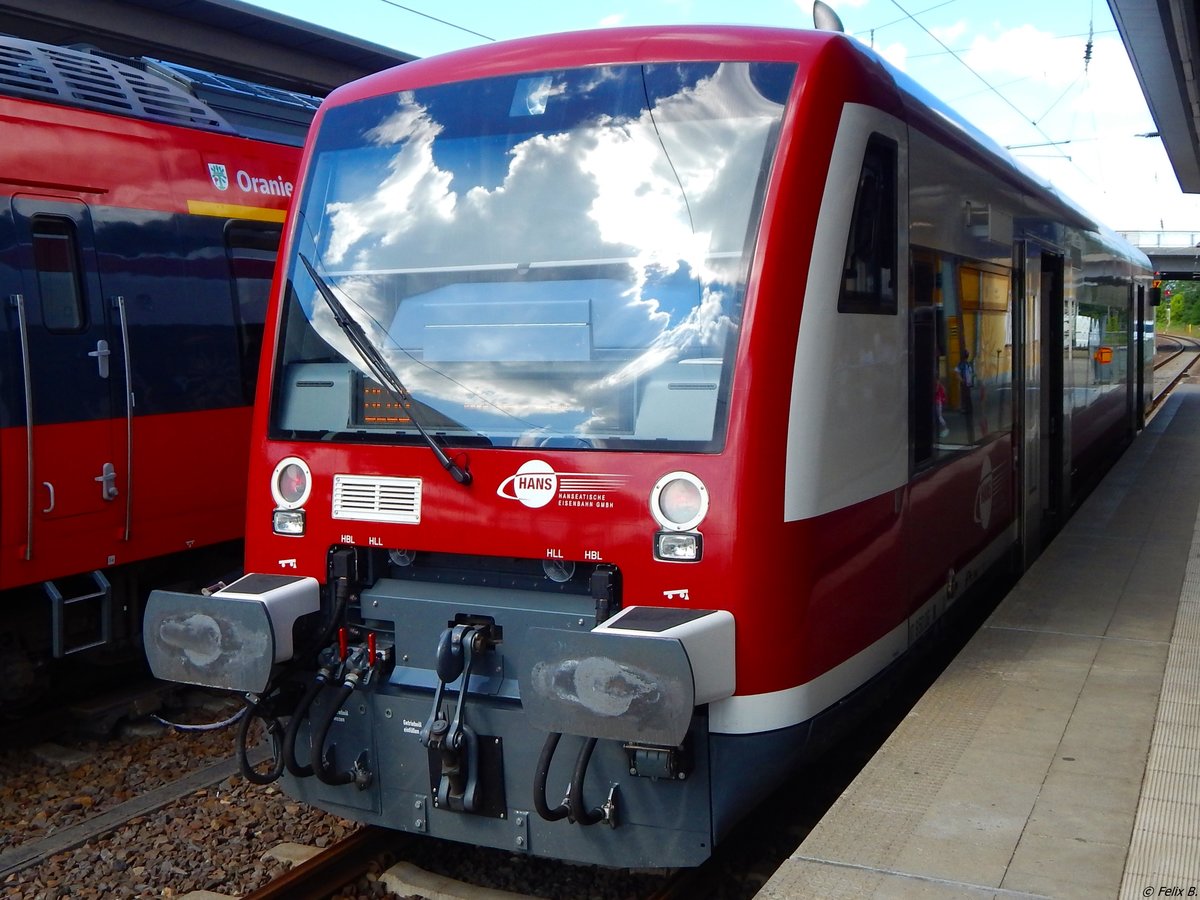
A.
x: 381, y: 368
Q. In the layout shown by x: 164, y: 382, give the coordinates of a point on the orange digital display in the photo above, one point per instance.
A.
x: 381, y: 407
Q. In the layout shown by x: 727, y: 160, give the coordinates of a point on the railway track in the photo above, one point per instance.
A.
x: 143, y: 811
x: 1173, y: 361
x: 32, y: 853
x: 345, y: 863
x: 42, y: 861
x: 741, y: 863
x: 328, y: 871
x: 335, y: 869
x: 1171, y: 345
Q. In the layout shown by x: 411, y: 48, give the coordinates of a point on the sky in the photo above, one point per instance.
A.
x: 1015, y: 68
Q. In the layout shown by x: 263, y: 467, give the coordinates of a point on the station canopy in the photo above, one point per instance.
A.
x: 1164, y: 47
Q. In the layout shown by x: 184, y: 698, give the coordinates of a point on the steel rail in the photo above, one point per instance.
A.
x: 32, y: 853
x: 1186, y: 345
x: 332, y: 869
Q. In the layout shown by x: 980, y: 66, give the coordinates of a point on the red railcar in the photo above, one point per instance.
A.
x: 654, y: 387
x: 138, y: 230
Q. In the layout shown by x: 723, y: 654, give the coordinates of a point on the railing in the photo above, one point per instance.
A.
x: 1148, y: 240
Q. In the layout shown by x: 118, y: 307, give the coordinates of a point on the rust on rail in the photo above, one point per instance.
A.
x: 332, y: 869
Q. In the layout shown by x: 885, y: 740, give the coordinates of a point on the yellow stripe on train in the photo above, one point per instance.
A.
x: 234, y: 211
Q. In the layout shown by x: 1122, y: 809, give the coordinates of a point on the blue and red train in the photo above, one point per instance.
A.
x: 631, y: 402
x: 138, y: 232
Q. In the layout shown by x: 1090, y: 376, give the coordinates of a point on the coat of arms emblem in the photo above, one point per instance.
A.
x: 219, y: 176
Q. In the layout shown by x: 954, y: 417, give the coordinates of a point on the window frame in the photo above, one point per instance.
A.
x: 58, y: 228
x: 873, y: 240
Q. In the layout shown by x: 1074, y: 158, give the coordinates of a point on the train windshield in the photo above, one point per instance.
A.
x: 555, y: 259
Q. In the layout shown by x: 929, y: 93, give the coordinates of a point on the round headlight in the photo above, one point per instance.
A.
x: 679, y: 501
x: 291, y: 483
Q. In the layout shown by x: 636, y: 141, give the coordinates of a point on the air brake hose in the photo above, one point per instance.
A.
x: 324, y: 772
x: 274, y: 729
x: 575, y: 794
x: 539, y: 782
x: 284, y: 742
x: 293, y: 728
x: 341, y: 594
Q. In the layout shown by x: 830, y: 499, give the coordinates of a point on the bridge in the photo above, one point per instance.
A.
x: 1175, y: 255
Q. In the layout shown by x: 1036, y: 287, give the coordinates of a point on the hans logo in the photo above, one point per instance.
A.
x: 989, y: 492
x: 534, y: 485
x: 219, y: 175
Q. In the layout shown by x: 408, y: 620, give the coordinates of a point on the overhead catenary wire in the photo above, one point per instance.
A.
x: 1081, y: 86
x: 970, y: 69
x: 907, y: 17
x: 1035, y: 123
x: 1058, y: 37
x: 1059, y: 98
x: 424, y: 15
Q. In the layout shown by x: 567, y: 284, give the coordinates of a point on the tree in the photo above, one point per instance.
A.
x: 1184, y: 303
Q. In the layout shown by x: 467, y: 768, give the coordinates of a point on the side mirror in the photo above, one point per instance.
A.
x: 1155, y: 296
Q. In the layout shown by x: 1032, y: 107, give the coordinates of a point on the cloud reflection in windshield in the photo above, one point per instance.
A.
x: 665, y: 197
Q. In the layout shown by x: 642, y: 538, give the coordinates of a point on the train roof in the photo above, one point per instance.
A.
x: 919, y: 107
x: 153, y: 90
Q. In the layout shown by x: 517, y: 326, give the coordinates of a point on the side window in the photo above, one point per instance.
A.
x: 869, y: 269
x: 980, y: 357
x: 251, y: 248
x: 56, y: 259
x: 961, y: 357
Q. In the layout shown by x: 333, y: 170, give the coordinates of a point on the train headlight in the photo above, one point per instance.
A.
x: 291, y: 483
x: 678, y: 546
x: 679, y: 501
x: 288, y: 521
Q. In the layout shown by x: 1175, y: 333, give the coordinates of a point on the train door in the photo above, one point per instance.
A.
x: 1028, y: 395
x: 251, y: 248
x: 1141, y: 345
x: 72, y: 369
x: 1055, y: 427
x: 1040, y: 391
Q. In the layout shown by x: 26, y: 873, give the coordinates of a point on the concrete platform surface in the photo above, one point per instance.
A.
x: 1059, y: 754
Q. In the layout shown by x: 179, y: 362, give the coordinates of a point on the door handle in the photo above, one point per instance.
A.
x: 49, y: 487
x: 108, y: 482
x: 101, y: 355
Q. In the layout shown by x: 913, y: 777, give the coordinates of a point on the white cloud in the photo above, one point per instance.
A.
x: 896, y: 54
x: 950, y: 34
x: 1038, y: 55
x: 1030, y: 88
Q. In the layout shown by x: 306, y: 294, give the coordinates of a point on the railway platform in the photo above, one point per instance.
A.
x: 1058, y: 755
